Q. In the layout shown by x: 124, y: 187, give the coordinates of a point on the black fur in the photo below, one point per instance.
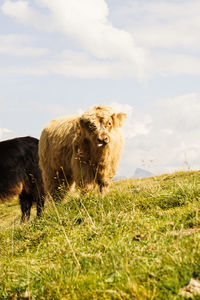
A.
x: 20, y: 174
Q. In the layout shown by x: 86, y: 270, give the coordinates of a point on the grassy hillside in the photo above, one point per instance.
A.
x: 141, y: 241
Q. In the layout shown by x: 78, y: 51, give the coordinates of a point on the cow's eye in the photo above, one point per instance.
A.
x: 92, y: 127
x: 109, y: 123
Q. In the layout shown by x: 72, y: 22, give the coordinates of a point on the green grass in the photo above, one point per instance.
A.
x: 141, y: 241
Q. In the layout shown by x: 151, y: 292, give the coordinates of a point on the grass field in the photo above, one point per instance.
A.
x: 141, y: 241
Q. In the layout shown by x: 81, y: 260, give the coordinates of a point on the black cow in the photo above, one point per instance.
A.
x: 20, y: 174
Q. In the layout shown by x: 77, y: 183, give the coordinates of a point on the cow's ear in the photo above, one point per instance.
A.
x: 118, y: 119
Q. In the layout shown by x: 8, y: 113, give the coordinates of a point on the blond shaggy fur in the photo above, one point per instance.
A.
x: 82, y: 149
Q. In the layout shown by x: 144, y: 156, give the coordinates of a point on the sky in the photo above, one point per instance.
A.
x: 140, y: 56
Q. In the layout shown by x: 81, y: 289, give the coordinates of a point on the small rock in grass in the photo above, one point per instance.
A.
x: 193, y: 288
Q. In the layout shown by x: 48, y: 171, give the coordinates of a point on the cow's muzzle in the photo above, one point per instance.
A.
x: 102, y: 142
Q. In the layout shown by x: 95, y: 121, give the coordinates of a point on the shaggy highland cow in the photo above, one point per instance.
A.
x: 83, y: 149
x: 20, y: 174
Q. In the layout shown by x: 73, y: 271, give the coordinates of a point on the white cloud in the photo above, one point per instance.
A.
x: 133, y: 125
x: 176, y: 64
x: 24, y: 70
x: 78, y: 64
x: 16, y: 45
x: 5, y: 133
x: 172, y: 139
x: 160, y: 37
x: 165, y: 9
x: 165, y: 27
x: 87, y: 23
x: 72, y: 64
x: 18, y: 10
x: 82, y: 67
x: 178, y: 34
x: 176, y: 15
x: 23, y: 13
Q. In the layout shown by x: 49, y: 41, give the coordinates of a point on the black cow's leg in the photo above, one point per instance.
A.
x: 40, y: 205
x: 103, y: 186
x: 26, y: 204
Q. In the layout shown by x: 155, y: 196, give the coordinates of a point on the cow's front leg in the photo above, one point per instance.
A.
x: 103, y: 186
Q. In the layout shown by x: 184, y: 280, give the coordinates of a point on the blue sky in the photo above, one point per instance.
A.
x: 140, y: 56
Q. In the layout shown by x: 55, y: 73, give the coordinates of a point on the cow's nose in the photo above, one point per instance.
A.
x: 106, y: 140
x: 103, y: 141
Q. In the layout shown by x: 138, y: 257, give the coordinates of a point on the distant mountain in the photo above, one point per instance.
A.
x: 141, y: 173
